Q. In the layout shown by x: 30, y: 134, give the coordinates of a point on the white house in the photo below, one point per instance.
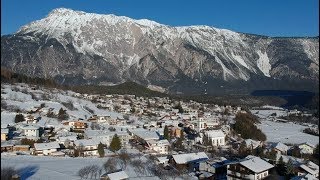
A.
x: 251, y: 167
x: 46, y: 148
x: 160, y: 147
x: 88, y: 147
x: 31, y: 131
x: 217, y: 137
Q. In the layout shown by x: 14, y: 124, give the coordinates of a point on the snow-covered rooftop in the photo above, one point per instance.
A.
x: 215, y: 133
x: 256, y: 164
x: 30, y: 127
x: 43, y: 146
x: 64, y: 138
x: 251, y: 142
x: 185, y: 158
x: 280, y: 146
x: 309, y: 170
x: 86, y: 142
x: 118, y: 175
x: 146, y: 135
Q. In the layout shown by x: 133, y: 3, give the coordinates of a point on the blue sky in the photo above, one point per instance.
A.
x: 265, y: 17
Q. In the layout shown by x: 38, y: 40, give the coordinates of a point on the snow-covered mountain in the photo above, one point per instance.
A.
x: 75, y: 47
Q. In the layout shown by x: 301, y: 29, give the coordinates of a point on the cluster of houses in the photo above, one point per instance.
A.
x: 211, y: 124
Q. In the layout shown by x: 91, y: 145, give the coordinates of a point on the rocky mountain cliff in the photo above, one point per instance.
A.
x: 75, y: 47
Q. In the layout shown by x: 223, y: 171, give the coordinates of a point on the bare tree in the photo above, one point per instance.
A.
x: 138, y: 166
x: 110, y: 165
x: 125, y: 158
x: 91, y: 170
x: 82, y: 172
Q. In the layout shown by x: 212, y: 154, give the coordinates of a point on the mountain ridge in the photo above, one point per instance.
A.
x: 194, y: 59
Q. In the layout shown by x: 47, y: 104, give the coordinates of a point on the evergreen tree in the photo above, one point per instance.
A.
x: 182, y: 135
x: 296, y: 152
x: 206, y: 140
x: 115, y: 144
x: 272, y: 155
x: 19, y: 118
x: 243, y: 149
x: 101, y: 150
x: 259, y: 152
x: 166, y: 132
x: 62, y: 115
x: 179, y: 107
x: 281, y: 167
x: 316, y: 152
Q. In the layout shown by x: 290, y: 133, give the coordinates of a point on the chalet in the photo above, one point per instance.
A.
x: 280, y: 148
x: 4, y: 134
x: 76, y: 125
x: 216, y: 166
x: 21, y: 148
x: 160, y: 147
x: 66, y: 140
x: 31, y: 131
x: 206, y: 123
x: 251, y: 167
x: 6, y: 146
x: 125, y: 108
x: 87, y: 147
x: 103, y: 118
x: 308, y: 168
x: 188, y: 161
x: 45, y: 148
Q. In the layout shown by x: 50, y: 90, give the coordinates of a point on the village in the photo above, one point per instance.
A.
x: 177, y: 138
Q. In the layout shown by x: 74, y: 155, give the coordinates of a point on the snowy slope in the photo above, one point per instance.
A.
x: 24, y: 102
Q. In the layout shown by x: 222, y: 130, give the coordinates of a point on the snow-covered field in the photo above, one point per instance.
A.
x: 53, y: 168
x: 286, y: 133
x: 265, y: 113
